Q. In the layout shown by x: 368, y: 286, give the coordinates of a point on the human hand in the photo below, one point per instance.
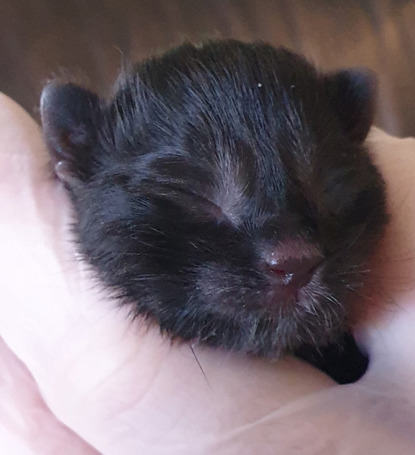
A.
x: 122, y: 389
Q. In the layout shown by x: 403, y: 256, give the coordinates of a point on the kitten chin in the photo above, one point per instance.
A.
x: 225, y: 193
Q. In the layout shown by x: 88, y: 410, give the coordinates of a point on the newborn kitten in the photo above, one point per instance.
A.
x: 225, y: 193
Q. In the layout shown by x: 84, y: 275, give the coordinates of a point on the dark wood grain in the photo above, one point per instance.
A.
x: 91, y: 37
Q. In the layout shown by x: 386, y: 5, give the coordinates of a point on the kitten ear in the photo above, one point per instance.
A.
x: 69, y: 119
x: 352, y: 93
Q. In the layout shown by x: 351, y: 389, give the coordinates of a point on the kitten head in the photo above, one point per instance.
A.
x: 224, y: 191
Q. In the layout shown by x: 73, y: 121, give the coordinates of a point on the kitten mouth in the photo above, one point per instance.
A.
x: 283, y: 297
x: 290, y: 293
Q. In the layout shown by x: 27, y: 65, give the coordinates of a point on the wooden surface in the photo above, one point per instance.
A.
x: 41, y: 37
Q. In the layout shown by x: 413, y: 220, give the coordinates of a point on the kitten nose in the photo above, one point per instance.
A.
x: 294, y: 271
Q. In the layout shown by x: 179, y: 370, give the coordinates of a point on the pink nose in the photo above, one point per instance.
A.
x: 294, y: 271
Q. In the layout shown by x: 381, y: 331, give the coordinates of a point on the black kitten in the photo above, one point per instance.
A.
x: 224, y: 190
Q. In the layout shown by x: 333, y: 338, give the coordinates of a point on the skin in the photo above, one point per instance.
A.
x: 88, y: 381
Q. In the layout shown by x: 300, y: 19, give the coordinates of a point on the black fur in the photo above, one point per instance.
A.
x: 209, y: 160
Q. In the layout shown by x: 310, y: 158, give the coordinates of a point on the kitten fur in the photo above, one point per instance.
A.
x: 212, y: 171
